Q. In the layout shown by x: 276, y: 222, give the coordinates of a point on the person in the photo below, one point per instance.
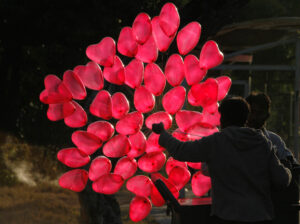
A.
x: 260, y: 104
x: 241, y: 162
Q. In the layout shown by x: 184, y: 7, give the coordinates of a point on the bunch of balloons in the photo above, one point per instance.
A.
x: 142, y: 42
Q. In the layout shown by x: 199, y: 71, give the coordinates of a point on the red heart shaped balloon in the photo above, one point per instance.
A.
x: 147, y: 52
x: 74, y: 180
x: 141, y: 27
x: 174, y: 99
x: 200, y: 184
x: 130, y: 124
x: 120, y: 105
x: 127, y: 44
x: 102, y: 129
x: 182, y: 136
x: 162, y: 41
x: 210, y: 55
x: 210, y: 120
x: 171, y: 163
x: 192, y: 100
x: 188, y: 37
x: 86, y: 142
x: 158, y: 117
x: 100, y: 165
x: 59, y: 111
x: 206, y: 93
x: 174, y: 70
x: 90, y: 75
x: 55, y: 91
x: 78, y: 118
x: 72, y: 157
x: 196, y: 166
x: 143, y: 99
x: 117, y: 146
x: 224, y: 83
x: 198, y: 131
x: 170, y: 186
x: 108, y: 184
x: 193, y: 72
x: 102, y: 105
x: 74, y: 84
x: 139, y: 208
x: 169, y: 19
x: 152, y: 144
x: 134, y: 73
x: 102, y: 53
x: 115, y: 73
x: 126, y: 167
x: 152, y: 162
x: 154, y: 79
x: 138, y: 144
x: 185, y: 124
x: 156, y: 197
x: 140, y: 185
x: 179, y: 176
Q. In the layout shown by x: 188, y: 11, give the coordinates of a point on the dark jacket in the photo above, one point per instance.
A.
x: 242, y: 166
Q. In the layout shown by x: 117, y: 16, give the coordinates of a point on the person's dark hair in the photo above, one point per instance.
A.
x: 234, y: 112
x: 259, y: 109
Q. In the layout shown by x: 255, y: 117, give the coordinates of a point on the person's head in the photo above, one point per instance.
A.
x: 259, y: 110
x: 234, y: 112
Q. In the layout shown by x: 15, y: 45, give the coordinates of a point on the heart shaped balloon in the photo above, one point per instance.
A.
x: 156, y: 197
x: 158, y: 117
x: 139, y: 208
x: 162, y: 41
x: 117, y: 146
x: 86, y: 142
x: 206, y: 93
x: 134, y: 73
x: 193, y: 72
x: 185, y: 124
x: 138, y: 144
x: 196, y: 166
x: 210, y: 55
x: 72, y: 157
x: 127, y: 44
x: 171, y: 163
x: 152, y: 162
x: 140, y: 185
x: 210, y: 120
x: 181, y: 136
x: 126, y: 167
x: 143, y: 99
x: 188, y: 37
x: 152, y: 144
x: 74, y: 180
x: 174, y: 99
x: 115, y: 73
x: 198, y: 131
x: 224, y: 83
x: 170, y: 186
x: 102, y: 129
x: 78, y: 118
x: 102, y: 53
x: 141, y: 28
x: 74, y: 84
x: 102, y: 105
x: 59, y: 111
x: 154, y: 79
x: 130, y: 124
x: 120, y: 105
x: 108, y: 184
x: 174, y: 70
x: 147, y: 52
x: 100, y: 165
x: 179, y: 176
x: 90, y: 75
x: 169, y: 19
x: 200, y: 184
x: 55, y: 91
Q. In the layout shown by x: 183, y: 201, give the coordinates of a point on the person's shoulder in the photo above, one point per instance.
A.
x: 273, y: 136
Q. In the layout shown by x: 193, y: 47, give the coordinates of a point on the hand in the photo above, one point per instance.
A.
x: 158, y: 128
